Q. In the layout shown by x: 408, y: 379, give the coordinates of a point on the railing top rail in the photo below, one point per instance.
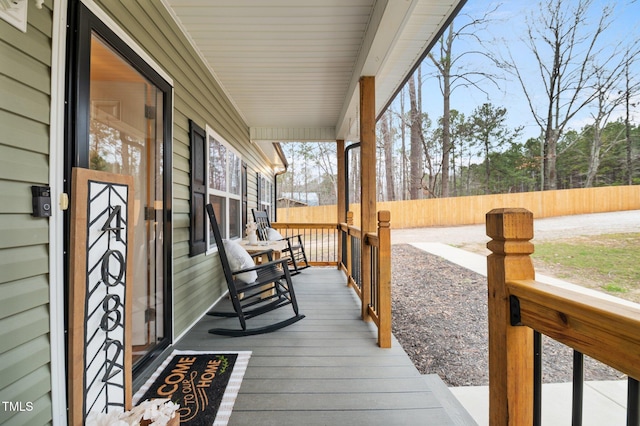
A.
x: 605, y: 330
x: 371, y: 238
x: 305, y: 225
x: 350, y: 229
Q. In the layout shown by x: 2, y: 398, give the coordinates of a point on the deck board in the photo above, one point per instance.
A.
x: 327, y: 368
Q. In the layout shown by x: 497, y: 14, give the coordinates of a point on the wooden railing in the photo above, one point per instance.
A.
x: 602, y: 329
x: 366, y: 260
x: 320, y: 240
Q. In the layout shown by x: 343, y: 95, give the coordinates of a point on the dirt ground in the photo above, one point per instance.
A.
x: 440, y: 317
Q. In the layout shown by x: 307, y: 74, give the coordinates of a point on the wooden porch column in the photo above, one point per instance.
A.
x: 510, y: 347
x: 367, y: 181
x: 342, y: 203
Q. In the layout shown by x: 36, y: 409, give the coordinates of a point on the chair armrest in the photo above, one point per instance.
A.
x: 292, y: 237
x: 268, y: 252
x: 261, y: 266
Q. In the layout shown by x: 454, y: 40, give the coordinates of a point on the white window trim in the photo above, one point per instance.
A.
x: 210, y: 133
x: 266, y: 194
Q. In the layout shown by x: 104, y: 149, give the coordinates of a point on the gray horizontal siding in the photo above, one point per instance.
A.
x: 33, y: 136
x: 20, y: 165
x: 24, y: 253
x: 21, y: 230
x: 22, y: 295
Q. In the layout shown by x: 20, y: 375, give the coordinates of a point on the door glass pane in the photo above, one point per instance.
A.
x: 125, y: 137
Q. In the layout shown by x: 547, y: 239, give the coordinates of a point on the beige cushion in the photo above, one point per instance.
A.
x: 273, y: 235
x: 239, y: 259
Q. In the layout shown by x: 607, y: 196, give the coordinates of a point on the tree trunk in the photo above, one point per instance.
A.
x: 403, y: 127
x: 594, y: 156
x: 627, y: 128
x: 446, y: 114
x: 550, y: 155
x: 417, y: 167
x: 487, y: 167
x: 387, y: 136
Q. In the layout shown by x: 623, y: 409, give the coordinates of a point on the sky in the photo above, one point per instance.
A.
x: 508, y: 26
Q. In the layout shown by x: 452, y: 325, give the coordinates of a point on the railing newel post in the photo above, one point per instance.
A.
x: 384, y: 278
x: 510, y: 347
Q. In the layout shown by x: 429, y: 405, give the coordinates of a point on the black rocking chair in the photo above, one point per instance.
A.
x: 295, y: 249
x: 272, y: 289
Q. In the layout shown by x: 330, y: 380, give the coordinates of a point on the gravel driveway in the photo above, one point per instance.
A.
x: 440, y: 308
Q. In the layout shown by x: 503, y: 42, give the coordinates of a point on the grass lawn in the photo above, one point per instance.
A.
x: 610, y: 263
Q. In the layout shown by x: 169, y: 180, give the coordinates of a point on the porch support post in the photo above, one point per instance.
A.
x: 367, y: 181
x: 510, y: 346
x: 342, y: 210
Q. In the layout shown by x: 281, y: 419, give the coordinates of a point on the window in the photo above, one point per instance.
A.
x: 265, y: 195
x: 224, y: 186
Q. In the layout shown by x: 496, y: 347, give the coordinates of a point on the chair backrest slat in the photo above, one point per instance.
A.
x: 262, y: 221
x: 221, y: 251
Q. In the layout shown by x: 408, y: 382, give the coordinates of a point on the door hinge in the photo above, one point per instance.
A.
x: 149, y: 112
x: 149, y: 213
x: 149, y: 315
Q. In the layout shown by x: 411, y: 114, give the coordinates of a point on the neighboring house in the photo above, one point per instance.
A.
x: 284, y: 203
x: 304, y: 198
x: 188, y: 98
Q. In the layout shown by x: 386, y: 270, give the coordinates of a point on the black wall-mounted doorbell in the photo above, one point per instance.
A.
x: 41, y: 200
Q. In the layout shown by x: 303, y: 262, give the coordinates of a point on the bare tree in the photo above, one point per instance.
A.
x: 628, y: 93
x: 432, y: 150
x: 452, y: 73
x: 386, y: 130
x: 605, y: 104
x: 563, y: 44
x: 415, y: 120
x: 403, y: 149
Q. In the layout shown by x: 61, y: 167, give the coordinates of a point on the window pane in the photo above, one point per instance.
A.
x: 234, y: 174
x: 217, y: 165
x: 235, y: 224
x: 219, y: 207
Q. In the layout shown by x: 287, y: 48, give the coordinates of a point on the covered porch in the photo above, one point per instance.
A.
x: 328, y: 368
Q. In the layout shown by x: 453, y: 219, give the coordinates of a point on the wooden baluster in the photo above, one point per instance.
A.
x: 510, y: 347
x: 349, y: 258
x: 384, y: 278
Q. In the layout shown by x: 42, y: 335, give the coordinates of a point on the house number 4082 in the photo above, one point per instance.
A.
x: 112, y: 270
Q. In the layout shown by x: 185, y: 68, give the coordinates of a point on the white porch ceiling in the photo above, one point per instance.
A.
x: 291, y: 67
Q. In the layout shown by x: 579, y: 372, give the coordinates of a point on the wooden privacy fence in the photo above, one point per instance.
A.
x: 605, y: 330
x: 471, y: 210
x: 366, y: 260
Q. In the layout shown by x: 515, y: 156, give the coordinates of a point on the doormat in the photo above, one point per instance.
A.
x: 204, y: 384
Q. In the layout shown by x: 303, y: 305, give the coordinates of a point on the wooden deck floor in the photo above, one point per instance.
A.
x: 327, y: 369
